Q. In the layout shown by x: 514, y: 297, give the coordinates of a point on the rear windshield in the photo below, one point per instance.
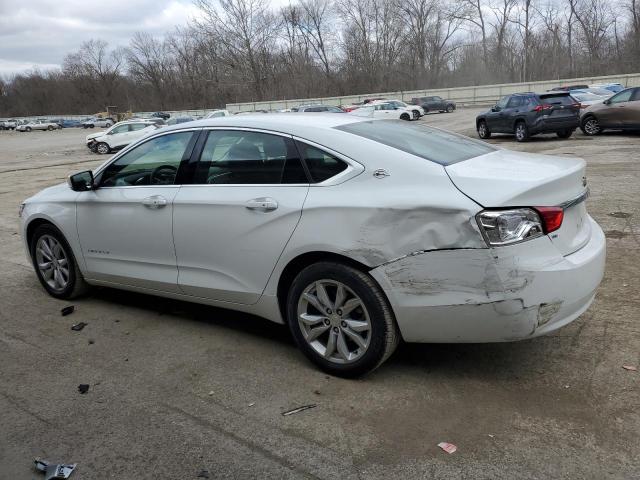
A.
x: 438, y: 146
x: 557, y: 99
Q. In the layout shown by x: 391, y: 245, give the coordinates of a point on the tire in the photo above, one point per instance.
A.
x: 91, y: 126
x: 426, y: 110
x: 55, y: 286
x: 370, y: 320
x: 108, y: 124
x: 565, y: 133
x: 590, y: 126
x: 405, y: 116
x: 483, y: 130
x: 521, y: 131
x: 450, y: 108
x: 50, y: 128
x: 28, y: 129
x: 416, y: 114
x: 103, y: 148
x: 85, y: 126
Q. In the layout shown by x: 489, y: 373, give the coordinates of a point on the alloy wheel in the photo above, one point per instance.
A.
x: 334, y: 321
x: 52, y: 262
x: 102, y: 148
x: 482, y: 129
x: 520, y: 131
x: 592, y: 127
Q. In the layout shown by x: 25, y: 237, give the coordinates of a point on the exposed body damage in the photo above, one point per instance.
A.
x: 491, y: 294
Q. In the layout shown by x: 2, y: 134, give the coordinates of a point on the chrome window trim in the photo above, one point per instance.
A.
x: 353, y: 169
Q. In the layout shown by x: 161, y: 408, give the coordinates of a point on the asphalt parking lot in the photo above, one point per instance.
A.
x: 176, y: 388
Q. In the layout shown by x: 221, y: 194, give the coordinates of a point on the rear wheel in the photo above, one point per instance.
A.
x: 590, y: 126
x: 483, y: 129
x: 449, y: 108
x: 521, y: 131
x: 55, y: 264
x: 50, y: 128
x: 416, y: 114
x: 565, y: 133
x: 28, y: 129
x: 340, y: 319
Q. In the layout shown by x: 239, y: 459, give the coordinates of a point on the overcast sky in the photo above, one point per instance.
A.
x: 39, y: 33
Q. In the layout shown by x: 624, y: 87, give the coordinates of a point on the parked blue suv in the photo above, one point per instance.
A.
x: 528, y: 114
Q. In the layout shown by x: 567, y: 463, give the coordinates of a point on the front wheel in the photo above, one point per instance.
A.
x: 28, y: 129
x: 416, y: 114
x: 521, y: 132
x: 102, y: 148
x: 50, y: 128
x: 405, y: 116
x: 55, y: 264
x: 449, y: 108
x: 340, y: 319
x: 591, y: 126
x: 483, y: 130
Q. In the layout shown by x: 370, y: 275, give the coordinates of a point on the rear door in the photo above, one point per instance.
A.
x: 233, y: 221
x: 508, y: 115
x: 630, y: 112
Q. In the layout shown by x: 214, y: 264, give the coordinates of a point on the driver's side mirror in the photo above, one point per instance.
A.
x: 81, y: 181
x: 495, y: 108
x: 607, y: 101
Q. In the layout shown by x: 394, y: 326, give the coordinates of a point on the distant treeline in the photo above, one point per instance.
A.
x: 246, y: 50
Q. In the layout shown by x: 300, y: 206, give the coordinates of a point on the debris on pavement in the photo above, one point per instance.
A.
x: 631, y: 368
x: 53, y: 471
x: 83, y: 388
x: 299, y: 409
x: 67, y: 310
x: 203, y: 474
x: 251, y: 404
x: 211, y: 392
x: 78, y: 326
x: 91, y: 342
x: 448, y: 447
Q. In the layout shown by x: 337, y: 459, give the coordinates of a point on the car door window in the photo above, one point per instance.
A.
x: 636, y: 95
x: 119, y: 129
x: 155, y: 162
x: 321, y: 165
x: 138, y: 126
x: 502, y: 103
x: 624, y: 96
x: 242, y: 157
x: 515, y: 102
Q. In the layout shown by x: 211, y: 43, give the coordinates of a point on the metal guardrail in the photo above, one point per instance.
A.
x: 474, y: 95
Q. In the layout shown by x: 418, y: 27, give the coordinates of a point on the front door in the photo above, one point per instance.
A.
x: 613, y: 114
x: 232, y: 224
x: 125, y: 225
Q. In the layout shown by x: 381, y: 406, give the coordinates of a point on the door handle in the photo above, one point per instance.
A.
x: 263, y: 204
x: 155, y: 201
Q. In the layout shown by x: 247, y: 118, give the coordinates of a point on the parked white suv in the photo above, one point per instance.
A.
x: 97, y: 122
x: 119, y: 135
x: 38, y: 125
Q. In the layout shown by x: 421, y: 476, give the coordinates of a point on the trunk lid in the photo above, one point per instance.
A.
x: 558, y: 107
x: 515, y: 179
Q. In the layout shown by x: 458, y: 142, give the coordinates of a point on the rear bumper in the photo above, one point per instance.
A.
x: 492, y: 295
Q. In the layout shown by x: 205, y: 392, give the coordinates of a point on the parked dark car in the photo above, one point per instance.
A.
x: 566, y: 88
x: 69, y: 123
x: 619, y: 112
x: 434, y: 104
x: 528, y: 114
x: 162, y: 115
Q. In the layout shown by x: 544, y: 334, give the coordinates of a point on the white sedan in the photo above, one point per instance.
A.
x: 416, y: 110
x: 38, y: 125
x: 120, y: 135
x: 383, y: 110
x: 354, y: 232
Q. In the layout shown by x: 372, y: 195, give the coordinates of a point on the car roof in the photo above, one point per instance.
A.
x: 301, y: 124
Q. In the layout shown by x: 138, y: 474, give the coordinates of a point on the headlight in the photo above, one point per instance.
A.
x: 505, y: 227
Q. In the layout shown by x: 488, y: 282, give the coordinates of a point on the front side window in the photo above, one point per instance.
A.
x: 503, y: 102
x: 137, y: 126
x: 321, y: 164
x: 514, y: 102
x: 624, y: 96
x: 242, y: 157
x: 636, y: 95
x: 155, y: 162
x: 119, y: 129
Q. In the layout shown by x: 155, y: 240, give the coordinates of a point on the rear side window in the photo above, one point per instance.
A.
x: 439, y: 146
x: 515, y: 101
x: 636, y: 95
x: 242, y: 157
x: 321, y: 164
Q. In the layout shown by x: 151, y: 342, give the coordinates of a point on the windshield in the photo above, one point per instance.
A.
x: 439, y: 146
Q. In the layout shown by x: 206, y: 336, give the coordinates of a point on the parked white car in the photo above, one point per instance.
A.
x: 97, y: 122
x: 383, y: 110
x: 218, y: 113
x: 416, y: 110
x: 120, y: 135
x: 354, y: 232
x: 38, y: 125
x: 10, y: 124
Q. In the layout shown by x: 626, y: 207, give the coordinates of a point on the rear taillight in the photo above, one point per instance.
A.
x: 540, y: 108
x: 551, y: 218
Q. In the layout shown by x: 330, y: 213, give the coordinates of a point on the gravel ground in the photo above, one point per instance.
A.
x: 176, y: 389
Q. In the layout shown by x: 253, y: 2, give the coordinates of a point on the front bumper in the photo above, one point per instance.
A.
x: 495, y: 294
